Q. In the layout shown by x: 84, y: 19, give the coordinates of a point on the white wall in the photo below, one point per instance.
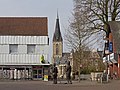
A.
x: 24, y: 40
x: 22, y: 57
x: 4, y: 49
x: 22, y: 49
x: 42, y: 49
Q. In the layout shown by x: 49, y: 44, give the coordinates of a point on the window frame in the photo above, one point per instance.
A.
x: 31, y: 51
x: 11, y: 50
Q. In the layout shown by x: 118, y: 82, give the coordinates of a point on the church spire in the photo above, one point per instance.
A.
x: 57, y: 14
x: 57, y: 35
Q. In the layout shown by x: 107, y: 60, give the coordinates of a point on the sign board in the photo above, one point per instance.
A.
x: 45, y: 77
x: 104, y: 59
x: 106, y: 51
x: 108, y: 58
x: 113, y: 58
x: 110, y: 47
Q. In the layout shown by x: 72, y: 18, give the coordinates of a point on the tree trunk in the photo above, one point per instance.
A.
x: 79, y: 74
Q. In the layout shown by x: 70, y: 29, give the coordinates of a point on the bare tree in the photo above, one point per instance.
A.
x: 76, y: 36
x: 100, y: 12
x: 98, y: 15
x: 89, y: 17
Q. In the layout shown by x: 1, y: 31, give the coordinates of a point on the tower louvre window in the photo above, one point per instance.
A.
x: 57, y: 49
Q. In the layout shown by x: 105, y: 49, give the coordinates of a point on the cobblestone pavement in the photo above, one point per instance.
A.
x: 43, y: 85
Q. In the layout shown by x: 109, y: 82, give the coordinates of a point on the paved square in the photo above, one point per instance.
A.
x: 42, y: 85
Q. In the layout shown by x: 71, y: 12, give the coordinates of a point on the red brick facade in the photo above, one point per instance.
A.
x: 115, y: 66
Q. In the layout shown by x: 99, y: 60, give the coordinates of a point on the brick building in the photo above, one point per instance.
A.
x: 113, y: 49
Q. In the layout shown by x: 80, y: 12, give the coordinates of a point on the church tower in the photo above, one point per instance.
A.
x: 57, y: 43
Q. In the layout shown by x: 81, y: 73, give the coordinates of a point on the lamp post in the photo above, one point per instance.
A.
x: 107, y: 57
x: 106, y: 53
x: 80, y: 71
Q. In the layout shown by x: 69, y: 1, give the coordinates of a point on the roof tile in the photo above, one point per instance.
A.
x: 24, y: 26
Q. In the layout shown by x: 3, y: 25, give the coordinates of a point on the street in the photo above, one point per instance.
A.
x: 42, y: 85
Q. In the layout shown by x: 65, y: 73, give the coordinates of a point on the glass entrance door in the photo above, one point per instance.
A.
x: 37, y: 73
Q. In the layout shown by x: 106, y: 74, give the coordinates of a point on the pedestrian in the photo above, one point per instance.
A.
x: 115, y: 75
x: 54, y: 71
x: 68, y: 73
x: 104, y: 78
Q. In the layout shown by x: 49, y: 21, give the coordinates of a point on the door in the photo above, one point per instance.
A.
x: 37, y: 72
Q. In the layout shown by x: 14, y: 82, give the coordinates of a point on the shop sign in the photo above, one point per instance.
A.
x: 104, y: 59
x: 110, y: 47
x: 108, y: 58
x: 106, y: 52
x: 45, y: 77
x: 113, y: 58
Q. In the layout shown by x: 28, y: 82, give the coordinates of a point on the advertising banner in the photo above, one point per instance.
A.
x: 110, y: 47
x: 45, y: 77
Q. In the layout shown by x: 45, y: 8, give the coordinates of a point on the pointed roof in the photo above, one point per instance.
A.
x: 57, y: 34
x: 115, y: 29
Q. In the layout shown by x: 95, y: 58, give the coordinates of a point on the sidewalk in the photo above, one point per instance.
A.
x: 48, y: 85
x: 61, y: 83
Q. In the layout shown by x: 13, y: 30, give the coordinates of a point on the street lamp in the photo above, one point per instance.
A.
x: 106, y: 53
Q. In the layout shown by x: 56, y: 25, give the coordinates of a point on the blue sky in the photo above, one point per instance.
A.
x: 46, y: 8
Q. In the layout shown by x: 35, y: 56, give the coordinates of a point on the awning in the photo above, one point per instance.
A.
x: 108, y: 59
x: 104, y: 59
x: 114, y: 57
